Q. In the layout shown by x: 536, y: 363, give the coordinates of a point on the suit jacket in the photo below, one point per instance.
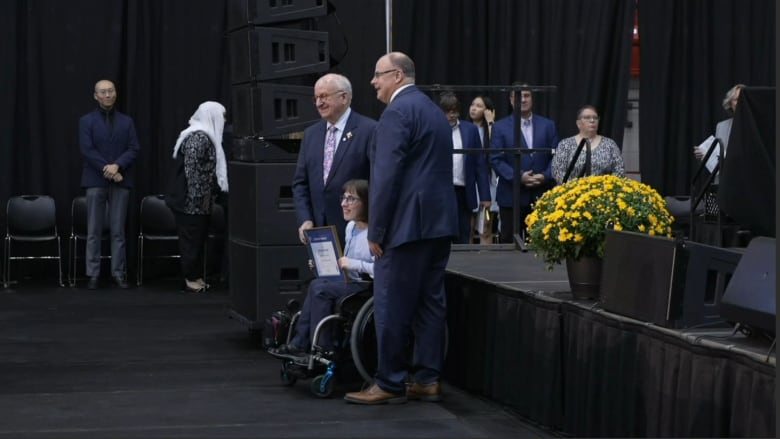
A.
x: 411, y: 193
x: 320, y: 203
x: 475, y: 167
x: 503, y: 134
x: 102, y: 145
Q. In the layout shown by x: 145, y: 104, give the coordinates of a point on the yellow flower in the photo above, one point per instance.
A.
x: 570, y: 220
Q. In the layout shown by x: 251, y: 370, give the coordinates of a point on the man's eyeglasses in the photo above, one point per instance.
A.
x: 105, y: 92
x: 596, y: 118
x: 378, y: 74
x: 326, y: 96
x: 349, y: 199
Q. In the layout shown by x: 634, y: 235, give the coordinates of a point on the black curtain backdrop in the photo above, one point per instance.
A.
x: 164, y: 57
x: 168, y: 56
x: 581, y: 47
x: 692, y: 52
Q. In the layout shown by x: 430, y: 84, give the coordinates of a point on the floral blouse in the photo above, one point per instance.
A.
x: 605, y: 159
x: 200, y: 161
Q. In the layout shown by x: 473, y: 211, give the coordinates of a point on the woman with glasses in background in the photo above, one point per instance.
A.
x: 322, y: 294
x: 605, y: 156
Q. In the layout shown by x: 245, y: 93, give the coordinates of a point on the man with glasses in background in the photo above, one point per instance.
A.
x: 109, y: 143
x: 333, y: 151
x: 535, y: 173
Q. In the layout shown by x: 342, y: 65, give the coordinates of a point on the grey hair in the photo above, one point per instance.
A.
x: 730, y: 95
x: 340, y: 81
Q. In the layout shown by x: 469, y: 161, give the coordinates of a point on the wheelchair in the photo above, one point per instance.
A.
x: 355, y: 340
x: 356, y: 346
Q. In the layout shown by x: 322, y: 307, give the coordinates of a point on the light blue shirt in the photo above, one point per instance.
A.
x: 359, y: 257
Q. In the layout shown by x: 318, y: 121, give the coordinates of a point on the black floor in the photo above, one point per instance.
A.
x: 157, y: 362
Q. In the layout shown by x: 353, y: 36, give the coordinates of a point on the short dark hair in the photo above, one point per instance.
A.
x: 359, y: 187
x: 449, y: 102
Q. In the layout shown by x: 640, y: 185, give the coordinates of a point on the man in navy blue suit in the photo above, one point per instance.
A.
x: 536, y: 176
x: 412, y: 222
x: 469, y: 171
x: 110, y: 146
x: 333, y: 151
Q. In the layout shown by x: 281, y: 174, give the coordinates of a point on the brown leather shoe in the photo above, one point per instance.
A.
x: 424, y: 392
x: 374, y: 395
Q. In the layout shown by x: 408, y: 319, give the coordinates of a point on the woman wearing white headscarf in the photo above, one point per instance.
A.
x: 201, y: 172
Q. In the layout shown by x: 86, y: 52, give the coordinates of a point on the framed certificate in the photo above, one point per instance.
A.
x: 325, y: 250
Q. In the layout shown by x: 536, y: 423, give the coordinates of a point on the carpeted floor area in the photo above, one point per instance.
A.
x: 157, y: 362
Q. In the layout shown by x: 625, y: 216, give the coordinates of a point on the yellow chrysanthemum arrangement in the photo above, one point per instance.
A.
x: 570, y: 220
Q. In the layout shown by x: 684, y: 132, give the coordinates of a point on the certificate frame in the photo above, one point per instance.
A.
x: 324, y: 249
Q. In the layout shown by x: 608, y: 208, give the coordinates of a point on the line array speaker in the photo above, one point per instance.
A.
x: 271, y: 109
x: 243, y: 13
x: 264, y: 278
x: 261, y: 204
x: 264, y: 53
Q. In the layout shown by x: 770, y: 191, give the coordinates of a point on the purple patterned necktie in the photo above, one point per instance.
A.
x: 526, y: 128
x: 330, y: 150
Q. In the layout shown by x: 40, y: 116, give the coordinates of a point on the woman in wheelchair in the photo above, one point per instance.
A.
x: 323, y: 293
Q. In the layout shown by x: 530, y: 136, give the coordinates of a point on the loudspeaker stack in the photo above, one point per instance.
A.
x: 276, y: 54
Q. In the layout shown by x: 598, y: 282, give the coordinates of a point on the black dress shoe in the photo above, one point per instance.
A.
x: 92, y: 283
x: 121, y: 282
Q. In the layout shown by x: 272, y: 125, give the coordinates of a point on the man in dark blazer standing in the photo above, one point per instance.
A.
x: 410, y: 229
x: 470, y: 172
x: 109, y: 144
x: 536, y: 175
x: 333, y: 151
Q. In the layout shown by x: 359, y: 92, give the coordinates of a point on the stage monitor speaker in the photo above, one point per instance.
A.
x: 709, y: 271
x: 643, y: 277
x: 262, y: 211
x: 251, y: 149
x: 749, y: 298
x: 265, y: 53
x: 267, y: 110
x: 242, y: 13
x: 264, y: 278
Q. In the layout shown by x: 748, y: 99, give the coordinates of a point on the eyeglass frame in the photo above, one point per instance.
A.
x: 105, y: 92
x: 378, y: 75
x: 349, y: 199
x: 326, y: 96
x: 593, y: 118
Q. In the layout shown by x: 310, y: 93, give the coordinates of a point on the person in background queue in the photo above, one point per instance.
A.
x: 109, y: 144
x: 201, y: 173
x: 469, y: 171
x: 536, y: 176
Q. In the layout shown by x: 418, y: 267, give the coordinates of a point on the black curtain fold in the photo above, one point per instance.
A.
x: 581, y: 47
x: 692, y: 53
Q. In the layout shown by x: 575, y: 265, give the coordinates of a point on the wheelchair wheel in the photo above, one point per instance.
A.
x: 363, y: 346
x: 362, y: 342
x: 286, y: 377
x: 322, y: 386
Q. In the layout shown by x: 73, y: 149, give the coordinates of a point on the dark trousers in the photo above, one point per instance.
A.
x: 320, y: 298
x: 464, y: 216
x: 410, y: 306
x: 507, y: 223
x: 106, y: 204
x: 192, y: 230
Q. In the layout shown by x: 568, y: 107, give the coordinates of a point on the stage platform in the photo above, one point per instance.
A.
x: 518, y: 337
